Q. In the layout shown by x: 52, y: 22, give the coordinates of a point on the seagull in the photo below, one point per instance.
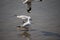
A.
x: 28, y: 22
x: 25, y: 2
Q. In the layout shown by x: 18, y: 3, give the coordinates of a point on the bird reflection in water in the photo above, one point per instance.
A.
x: 25, y: 33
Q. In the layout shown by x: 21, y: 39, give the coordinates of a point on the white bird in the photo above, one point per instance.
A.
x: 26, y: 1
x: 28, y: 22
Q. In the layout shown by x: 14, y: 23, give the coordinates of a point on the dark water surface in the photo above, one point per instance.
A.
x: 45, y: 18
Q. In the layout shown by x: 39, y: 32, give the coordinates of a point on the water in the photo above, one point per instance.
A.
x: 45, y: 20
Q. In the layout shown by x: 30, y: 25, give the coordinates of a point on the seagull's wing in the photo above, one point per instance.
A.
x: 22, y: 16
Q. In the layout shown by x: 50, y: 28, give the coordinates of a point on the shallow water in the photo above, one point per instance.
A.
x: 45, y: 20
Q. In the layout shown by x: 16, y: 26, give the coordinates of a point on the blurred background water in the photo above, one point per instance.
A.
x: 45, y: 18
